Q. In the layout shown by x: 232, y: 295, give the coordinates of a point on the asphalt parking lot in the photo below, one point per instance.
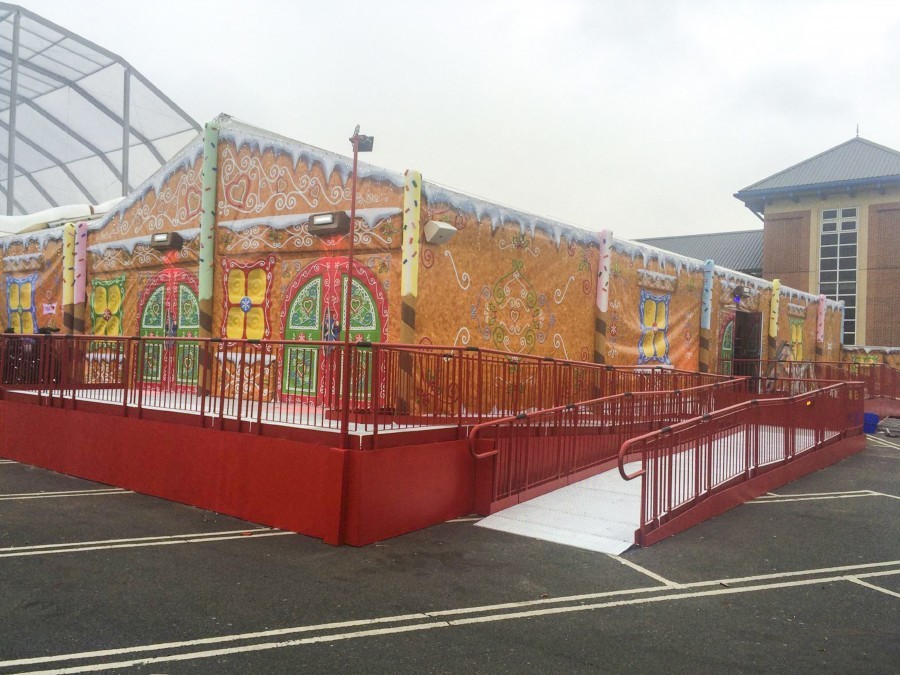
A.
x: 96, y: 579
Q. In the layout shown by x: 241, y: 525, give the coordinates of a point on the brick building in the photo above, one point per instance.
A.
x: 832, y: 226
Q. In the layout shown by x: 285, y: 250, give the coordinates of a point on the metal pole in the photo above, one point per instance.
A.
x: 126, y: 131
x: 345, y: 380
x: 13, y: 104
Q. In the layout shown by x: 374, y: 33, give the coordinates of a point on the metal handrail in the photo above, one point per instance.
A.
x: 571, y: 406
x: 718, y: 414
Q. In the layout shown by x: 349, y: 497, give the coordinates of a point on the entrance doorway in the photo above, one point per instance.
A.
x: 314, y: 311
x: 747, y: 343
x: 167, y: 308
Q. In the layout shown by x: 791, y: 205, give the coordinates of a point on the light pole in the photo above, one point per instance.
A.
x: 360, y: 144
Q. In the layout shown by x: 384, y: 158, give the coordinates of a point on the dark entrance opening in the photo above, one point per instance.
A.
x: 747, y: 343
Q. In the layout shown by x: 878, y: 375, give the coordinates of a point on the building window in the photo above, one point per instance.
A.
x: 837, y: 263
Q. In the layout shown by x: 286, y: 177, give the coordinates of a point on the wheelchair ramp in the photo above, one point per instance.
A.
x: 600, y: 513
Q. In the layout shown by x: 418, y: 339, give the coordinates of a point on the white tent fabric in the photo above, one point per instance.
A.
x: 87, y: 127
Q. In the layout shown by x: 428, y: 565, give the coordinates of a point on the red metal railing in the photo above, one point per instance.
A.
x: 685, y: 463
x: 537, y: 451
x: 880, y: 379
x: 255, y: 386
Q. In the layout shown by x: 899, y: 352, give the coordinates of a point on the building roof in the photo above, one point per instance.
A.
x: 854, y: 163
x: 741, y: 251
x: 86, y: 126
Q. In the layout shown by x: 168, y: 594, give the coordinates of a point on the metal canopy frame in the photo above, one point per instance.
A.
x: 55, y: 84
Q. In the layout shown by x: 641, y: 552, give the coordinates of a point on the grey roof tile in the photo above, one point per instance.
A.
x: 855, y: 160
x: 740, y: 251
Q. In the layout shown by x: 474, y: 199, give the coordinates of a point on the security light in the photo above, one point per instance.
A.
x: 337, y: 222
x: 166, y: 241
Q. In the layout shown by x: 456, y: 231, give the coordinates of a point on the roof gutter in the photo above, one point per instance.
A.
x: 757, y: 196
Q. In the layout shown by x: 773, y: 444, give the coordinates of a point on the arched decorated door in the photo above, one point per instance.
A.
x: 313, y: 310
x: 168, y: 307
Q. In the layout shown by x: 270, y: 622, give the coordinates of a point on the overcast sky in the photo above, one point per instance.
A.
x: 642, y: 117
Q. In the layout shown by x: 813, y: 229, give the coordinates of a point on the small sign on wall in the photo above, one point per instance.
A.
x: 49, y: 308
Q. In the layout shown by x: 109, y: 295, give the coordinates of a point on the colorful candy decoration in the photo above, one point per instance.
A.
x: 412, y: 210
x: 208, y: 183
x: 820, y: 320
x: 604, y: 271
x: 709, y: 268
x: 68, y: 291
x: 776, y: 305
x: 79, y: 290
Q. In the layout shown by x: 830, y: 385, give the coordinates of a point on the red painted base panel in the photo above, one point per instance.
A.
x: 354, y: 497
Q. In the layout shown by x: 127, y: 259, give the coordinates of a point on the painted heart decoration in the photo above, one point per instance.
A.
x: 237, y: 192
x: 192, y: 201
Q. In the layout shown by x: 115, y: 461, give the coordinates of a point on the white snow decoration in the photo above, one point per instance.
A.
x: 259, y: 140
x: 799, y: 309
x: 739, y: 279
x: 647, y: 253
x: 497, y: 215
x: 40, y: 236
x: 659, y: 276
x: 184, y: 160
x: 872, y: 349
x: 129, y: 244
x: 22, y: 258
x: 371, y: 217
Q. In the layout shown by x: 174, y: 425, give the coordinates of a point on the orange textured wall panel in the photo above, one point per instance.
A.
x: 504, y: 289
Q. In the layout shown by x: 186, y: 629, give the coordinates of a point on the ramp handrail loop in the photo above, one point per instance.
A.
x: 627, y: 447
x: 569, y: 407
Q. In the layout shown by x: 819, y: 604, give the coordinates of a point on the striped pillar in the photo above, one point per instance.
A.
x: 409, y: 279
x: 409, y: 274
x: 80, y: 285
x: 706, y: 317
x: 68, y: 278
x: 207, y: 255
x: 773, y: 320
x: 820, y: 329
x: 208, y: 182
x: 604, y: 269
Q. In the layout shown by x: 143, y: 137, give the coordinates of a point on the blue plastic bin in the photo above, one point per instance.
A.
x: 870, y: 423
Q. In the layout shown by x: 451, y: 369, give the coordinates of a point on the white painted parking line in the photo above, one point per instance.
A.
x: 783, y: 575
x: 772, y: 495
x: 179, y: 539
x: 882, y: 494
x: 67, y: 493
x: 644, y: 570
x: 464, y: 520
x: 857, y: 580
x: 883, y: 443
x: 425, y: 620
x: 7, y: 461
x: 192, y: 535
x: 809, y: 499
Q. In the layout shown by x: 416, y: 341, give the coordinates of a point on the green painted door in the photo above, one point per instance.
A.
x: 169, y: 308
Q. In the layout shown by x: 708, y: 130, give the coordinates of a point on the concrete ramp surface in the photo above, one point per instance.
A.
x: 600, y: 513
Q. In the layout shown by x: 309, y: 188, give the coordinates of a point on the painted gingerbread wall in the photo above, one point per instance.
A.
x: 122, y: 264
x: 268, y: 189
x: 31, y: 289
x: 506, y: 281
x: 757, y: 300
x: 654, y: 308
